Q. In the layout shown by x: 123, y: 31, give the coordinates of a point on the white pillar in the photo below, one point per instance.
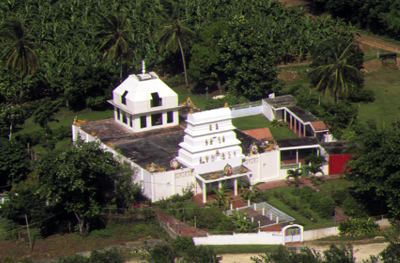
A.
x: 204, y: 193
x: 277, y: 219
x: 219, y: 185
x: 235, y: 187
x: 297, y: 156
x: 263, y: 211
x: 284, y: 116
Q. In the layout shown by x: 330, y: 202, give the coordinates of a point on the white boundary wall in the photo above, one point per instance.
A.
x: 320, y: 233
x: 260, y: 238
x: 247, y: 109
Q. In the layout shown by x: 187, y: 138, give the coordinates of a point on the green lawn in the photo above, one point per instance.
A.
x: 259, y: 121
x: 385, y: 83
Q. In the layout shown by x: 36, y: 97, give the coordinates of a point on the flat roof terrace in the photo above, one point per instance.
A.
x: 157, y: 146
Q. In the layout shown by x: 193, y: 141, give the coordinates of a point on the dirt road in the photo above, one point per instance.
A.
x: 361, y: 252
x: 378, y: 43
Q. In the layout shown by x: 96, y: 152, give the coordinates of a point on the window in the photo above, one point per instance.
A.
x: 216, y: 126
x: 143, y: 122
x: 124, y: 118
x: 123, y: 97
x: 155, y: 100
x: 170, y: 117
x: 156, y: 119
x: 118, y: 114
x: 130, y: 120
x: 210, y: 127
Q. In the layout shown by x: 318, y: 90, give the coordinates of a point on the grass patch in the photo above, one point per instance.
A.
x: 242, y: 249
x: 385, y: 83
x: 259, y: 121
x: 68, y: 244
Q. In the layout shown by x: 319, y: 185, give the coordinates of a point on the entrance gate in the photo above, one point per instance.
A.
x: 292, y: 233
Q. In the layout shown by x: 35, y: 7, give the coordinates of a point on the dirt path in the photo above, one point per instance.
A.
x: 378, y: 43
x: 361, y: 252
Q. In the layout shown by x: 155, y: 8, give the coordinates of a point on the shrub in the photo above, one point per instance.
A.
x: 339, y: 196
x: 97, y: 103
x: 323, y: 205
x: 353, y: 208
x: 162, y: 253
x: 106, y: 256
x: 7, y: 230
x: 358, y: 227
x: 73, y: 259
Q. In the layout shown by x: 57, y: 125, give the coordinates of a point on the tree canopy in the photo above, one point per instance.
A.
x: 375, y: 169
x: 80, y: 179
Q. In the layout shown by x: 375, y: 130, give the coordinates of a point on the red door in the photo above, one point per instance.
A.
x: 338, y: 163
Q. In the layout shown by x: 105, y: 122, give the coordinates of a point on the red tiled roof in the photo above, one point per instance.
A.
x: 261, y: 134
x: 319, y: 126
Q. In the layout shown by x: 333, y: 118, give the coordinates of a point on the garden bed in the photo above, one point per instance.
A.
x: 311, y: 208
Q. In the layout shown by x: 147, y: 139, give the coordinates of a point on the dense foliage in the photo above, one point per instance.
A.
x: 375, y: 169
x: 334, y: 254
x: 182, y: 250
x: 76, y: 52
x: 380, y: 17
x: 358, y: 227
x: 81, y: 180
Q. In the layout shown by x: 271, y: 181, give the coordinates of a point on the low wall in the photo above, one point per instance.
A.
x: 260, y: 238
x: 247, y: 109
x: 320, y: 233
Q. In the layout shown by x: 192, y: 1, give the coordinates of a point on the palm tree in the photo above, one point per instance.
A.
x: 173, y: 36
x: 116, y: 36
x: 18, y: 53
x: 19, y: 56
x: 337, y: 75
x: 295, y: 174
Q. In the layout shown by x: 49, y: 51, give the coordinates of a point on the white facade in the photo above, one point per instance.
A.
x: 144, y: 102
x: 210, y: 142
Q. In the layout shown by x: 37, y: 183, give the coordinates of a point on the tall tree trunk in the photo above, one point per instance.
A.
x: 120, y: 69
x: 10, y: 133
x: 183, y: 62
x: 81, y: 224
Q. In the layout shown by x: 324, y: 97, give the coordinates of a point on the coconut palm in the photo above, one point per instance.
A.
x: 174, y: 35
x: 18, y: 53
x: 295, y: 174
x: 337, y: 75
x: 116, y: 36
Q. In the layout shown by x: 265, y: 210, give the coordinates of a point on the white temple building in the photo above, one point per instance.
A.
x: 210, y: 142
x: 202, y: 152
x: 144, y: 102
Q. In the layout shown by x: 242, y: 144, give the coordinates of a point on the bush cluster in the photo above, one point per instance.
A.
x: 307, y: 202
x: 358, y: 227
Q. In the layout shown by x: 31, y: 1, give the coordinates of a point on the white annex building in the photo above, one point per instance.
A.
x: 204, y: 149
